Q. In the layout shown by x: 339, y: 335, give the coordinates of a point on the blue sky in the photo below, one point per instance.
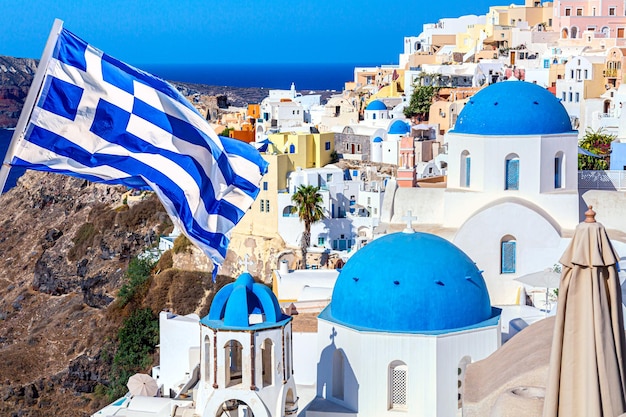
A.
x: 230, y: 31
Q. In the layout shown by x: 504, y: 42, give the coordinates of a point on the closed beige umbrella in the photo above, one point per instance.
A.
x: 587, y: 375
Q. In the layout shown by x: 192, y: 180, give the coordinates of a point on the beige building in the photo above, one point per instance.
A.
x: 615, y: 60
x: 533, y: 12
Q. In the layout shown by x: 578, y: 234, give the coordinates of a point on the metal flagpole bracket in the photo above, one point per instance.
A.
x: 31, y: 98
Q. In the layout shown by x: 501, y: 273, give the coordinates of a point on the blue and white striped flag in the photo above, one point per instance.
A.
x: 100, y: 119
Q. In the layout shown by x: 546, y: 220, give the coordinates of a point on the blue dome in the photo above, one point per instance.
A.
x: 234, y: 304
x: 409, y: 282
x: 399, y: 128
x: 377, y: 139
x: 513, y: 108
x: 376, y: 105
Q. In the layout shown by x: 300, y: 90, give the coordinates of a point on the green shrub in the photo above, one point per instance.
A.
x: 137, y: 276
x: 137, y: 340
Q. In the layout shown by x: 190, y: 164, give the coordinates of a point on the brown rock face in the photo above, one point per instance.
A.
x: 58, y: 278
x: 16, y: 76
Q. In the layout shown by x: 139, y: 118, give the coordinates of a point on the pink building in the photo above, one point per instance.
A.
x: 406, y: 166
x: 605, y: 19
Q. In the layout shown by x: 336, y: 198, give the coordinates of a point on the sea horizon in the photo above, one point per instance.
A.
x: 326, y: 76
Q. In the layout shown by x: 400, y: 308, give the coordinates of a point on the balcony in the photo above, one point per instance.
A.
x: 602, y: 180
x: 611, y: 73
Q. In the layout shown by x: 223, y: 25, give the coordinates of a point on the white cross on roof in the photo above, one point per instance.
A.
x: 246, y: 262
x: 409, y: 219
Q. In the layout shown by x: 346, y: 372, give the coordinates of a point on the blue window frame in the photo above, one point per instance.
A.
x: 557, y: 173
x: 508, y: 257
x: 264, y: 185
x: 468, y: 170
x: 512, y: 174
x: 327, y: 146
x: 292, y: 148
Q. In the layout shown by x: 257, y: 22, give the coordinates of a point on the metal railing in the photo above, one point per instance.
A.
x: 602, y: 180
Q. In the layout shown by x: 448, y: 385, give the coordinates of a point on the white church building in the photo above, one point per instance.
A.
x: 511, y: 198
x: 398, y: 338
x: 392, y: 339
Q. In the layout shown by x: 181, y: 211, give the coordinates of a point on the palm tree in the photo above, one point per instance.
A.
x: 308, y: 202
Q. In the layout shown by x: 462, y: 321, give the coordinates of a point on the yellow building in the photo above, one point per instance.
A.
x: 261, y: 219
x: 306, y: 150
x: 289, y: 151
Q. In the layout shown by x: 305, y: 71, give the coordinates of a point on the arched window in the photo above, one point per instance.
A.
x: 292, y: 148
x: 574, y: 32
x: 511, y: 180
x: 461, y: 378
x: 466, y: 164
x: 605, y: 31
x: 208, y: 357
x: 289, y: 212
x: 508, y: 249
x: 564, y: 33
x: 288, y: 358
x: 337, y: 389
x: 291, y: 404
x: 559, y: 164
x: 398, y: 383
x: 233, y: 362
x: 267, y: 351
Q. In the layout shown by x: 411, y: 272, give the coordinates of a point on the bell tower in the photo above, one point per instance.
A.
x: 246, y: 354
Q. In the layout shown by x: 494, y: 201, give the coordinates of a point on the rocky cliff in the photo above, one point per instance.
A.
x: 64, y: 248
x: 16, y: 75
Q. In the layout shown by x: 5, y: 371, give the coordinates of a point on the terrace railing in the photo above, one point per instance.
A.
x: 602, y: 180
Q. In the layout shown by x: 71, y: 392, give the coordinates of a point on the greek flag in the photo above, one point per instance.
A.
x: 100, y: 119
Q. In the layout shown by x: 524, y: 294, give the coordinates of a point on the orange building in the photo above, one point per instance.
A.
x: 247, y: 132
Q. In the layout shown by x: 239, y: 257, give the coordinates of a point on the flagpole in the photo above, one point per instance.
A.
x: 29, y: 104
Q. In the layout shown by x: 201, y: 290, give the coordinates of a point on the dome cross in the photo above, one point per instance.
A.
x: 409, y: 219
